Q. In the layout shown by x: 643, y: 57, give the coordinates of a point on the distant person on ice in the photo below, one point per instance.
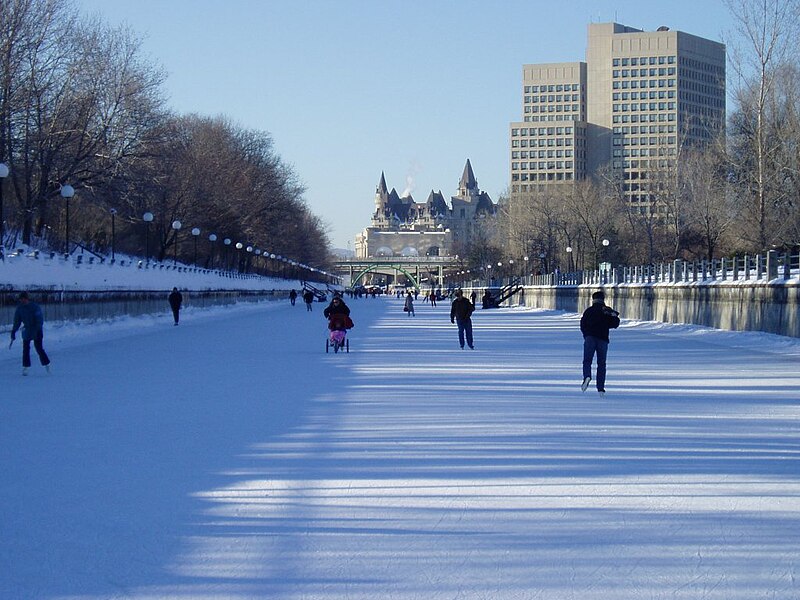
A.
x: 175, y: 301
x: 595, y: 323
x: 409, y: 305
x: 292, y: 297
x: 461, y: 313
x: 29, y: 315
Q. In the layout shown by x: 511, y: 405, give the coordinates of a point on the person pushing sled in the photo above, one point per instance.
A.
x: 339, y: 321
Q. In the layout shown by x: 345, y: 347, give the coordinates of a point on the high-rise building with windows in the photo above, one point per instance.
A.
x: 640, y: 97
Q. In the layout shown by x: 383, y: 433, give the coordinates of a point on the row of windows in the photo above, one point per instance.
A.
x: 644, y: 152
x: 542, y: 165
x: 644, y: 141
x: 702, y: 99
x: 660, y: 72
x: 545, y: 131
x: 652, y: 95
x: 644, y: 60
x: 645, y: 129
x: 542, y: 154
x: 692, y: 75
x: 524, y: 154
x: 553, y: 108
x: 553, y: 117
x: 701, y: 65
x: 651, y: 118
x: 560, y: 176
x: 661, y: 163
x: 552, y: 98
x: 560, y: 87
x: 541, y: 143
x: 642, y: 84
x: 643, y: 106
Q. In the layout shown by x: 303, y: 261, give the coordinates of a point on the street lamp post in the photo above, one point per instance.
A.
x: 147, y: 218
x: 227, y: 242
x: 195, y: 233
x: 176, y: 225
x: 239, y: 247
x: 569, y: 252
x: 211, y: 238
x: 3, y: 174
x: 113, y: 212
x: 604, y: 265
x: 67, y: 192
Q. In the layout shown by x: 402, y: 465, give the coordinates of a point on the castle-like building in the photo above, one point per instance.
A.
x: 404, y: 227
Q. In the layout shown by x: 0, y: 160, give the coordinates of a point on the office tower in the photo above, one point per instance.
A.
x: 648, y: 96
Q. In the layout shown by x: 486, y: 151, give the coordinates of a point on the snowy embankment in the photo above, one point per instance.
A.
x: 20, y: 271
x: 232, y: 458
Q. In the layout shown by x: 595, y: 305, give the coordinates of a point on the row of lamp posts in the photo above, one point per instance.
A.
x: 68, y: 192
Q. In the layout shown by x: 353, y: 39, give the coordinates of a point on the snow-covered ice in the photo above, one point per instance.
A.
x: 232, y: 458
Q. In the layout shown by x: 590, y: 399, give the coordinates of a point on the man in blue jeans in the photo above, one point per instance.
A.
x: 460, y: 313
x: 29, y: 316
x: 595, y: 323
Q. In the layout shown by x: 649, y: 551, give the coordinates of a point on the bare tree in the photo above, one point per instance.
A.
x: 765, y: 36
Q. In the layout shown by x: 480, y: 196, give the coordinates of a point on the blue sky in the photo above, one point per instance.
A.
x: 352, y: 88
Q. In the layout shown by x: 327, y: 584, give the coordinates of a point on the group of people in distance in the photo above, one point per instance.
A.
x: 596, y: 322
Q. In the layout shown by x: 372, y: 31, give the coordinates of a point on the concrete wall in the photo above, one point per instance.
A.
x: 99, y: 305
x: 752, y: 306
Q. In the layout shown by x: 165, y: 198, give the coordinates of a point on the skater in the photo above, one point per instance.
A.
x: 461, y: 313
x: 336, y: 307
x: 595, y: 323
x: 338, y: 315
x: 433, y: 299
x: 29, y: 315
x: 175, y: 301
x: 292, y: 297
x: 308, y: 298
x: 408, y: 307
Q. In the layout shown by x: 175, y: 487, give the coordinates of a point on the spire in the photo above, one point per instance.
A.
x: 468, y: 178
x: 382, y: 186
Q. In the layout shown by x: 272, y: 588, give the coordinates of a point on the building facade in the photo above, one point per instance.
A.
x: 403, y: 227
x: 640, y: 97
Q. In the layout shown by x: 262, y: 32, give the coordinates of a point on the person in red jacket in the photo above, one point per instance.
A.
x: 595, y: 324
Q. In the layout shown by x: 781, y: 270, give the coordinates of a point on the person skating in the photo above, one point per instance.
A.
x: 408, y: 307
x: 29, y: 315
x: 175, y: 301
x: 292, y: 297
x: 336, y: 307
x: 308, y: 298
x: 461, y: 313
x: 595, y: 324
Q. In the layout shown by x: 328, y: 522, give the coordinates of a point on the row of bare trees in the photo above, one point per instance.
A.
x: 738, y: 194
x: 80, y: 105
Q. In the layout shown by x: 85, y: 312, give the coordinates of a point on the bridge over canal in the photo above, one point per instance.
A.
x: 420, y: 270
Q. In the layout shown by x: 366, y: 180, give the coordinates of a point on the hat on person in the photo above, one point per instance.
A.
x: 23, y: 295
x: 459, y: 292
x: 598, y: 296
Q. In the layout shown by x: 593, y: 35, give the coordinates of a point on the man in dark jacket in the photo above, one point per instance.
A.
x: 595, y: 323
x: 308, y: 298
x: 29, y: 315
x: 460, y: 313
x: 175, y: 301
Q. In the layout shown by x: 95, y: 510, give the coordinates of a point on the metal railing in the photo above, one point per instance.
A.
x: 770, y: 266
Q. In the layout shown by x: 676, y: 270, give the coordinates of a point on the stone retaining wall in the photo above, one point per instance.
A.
x: 745, y: 306
x: 98, y: 305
